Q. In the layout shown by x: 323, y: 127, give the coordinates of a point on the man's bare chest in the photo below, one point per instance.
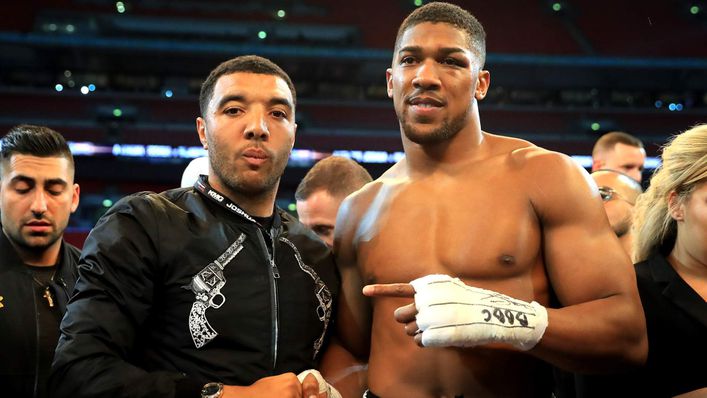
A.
x: 466, y: 234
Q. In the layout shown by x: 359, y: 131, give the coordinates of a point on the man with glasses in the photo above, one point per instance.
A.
x: 618, y: 192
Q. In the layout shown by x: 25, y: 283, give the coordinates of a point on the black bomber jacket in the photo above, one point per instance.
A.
x: 176, y: 290
x: 21, y: 362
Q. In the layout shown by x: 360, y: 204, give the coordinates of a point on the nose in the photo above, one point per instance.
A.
x: 257, y: 127
x: 426, y: 77
x: 39, y: 203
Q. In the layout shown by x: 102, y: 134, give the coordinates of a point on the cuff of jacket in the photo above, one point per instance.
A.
x: 188, y: 388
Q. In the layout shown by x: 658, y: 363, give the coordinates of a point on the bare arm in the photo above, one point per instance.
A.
x: 343, y: 362
x: 343, y: 371
x: 601, y: 323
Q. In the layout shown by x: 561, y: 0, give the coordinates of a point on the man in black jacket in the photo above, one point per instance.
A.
x: 210, y: 289
x: 37, y: 268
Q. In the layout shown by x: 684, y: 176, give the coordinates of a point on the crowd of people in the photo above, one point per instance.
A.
x: 479, y: 265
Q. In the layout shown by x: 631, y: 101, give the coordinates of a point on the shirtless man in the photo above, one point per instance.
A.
x: 496, y: 212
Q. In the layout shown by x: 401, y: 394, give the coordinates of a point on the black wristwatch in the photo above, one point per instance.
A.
x: 212, y: 390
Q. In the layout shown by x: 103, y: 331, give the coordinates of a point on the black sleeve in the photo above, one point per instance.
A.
x: 111, y: 302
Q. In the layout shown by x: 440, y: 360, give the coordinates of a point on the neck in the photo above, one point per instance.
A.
x: 45, y: 258
x: 626, y: 242
x: 685, y: 263
x: 257, y: 205
x: 447, y: 155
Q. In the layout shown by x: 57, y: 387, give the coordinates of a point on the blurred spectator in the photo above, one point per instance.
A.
x: 618, y: 193
x: 619, y: 151
x: 321, y: 191
x: 670, y: 246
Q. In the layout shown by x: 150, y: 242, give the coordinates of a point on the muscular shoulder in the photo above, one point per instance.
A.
x: 532, y: 156
x: 544, y: 166
x: 354, y: 205
x: 559, y: 188
x: 529, y: 160
x: 359, y: 201
x: 359, y: 204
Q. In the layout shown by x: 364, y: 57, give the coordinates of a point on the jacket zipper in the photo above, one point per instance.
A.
x: 36, y: 342
x: 64, y: 287
x: 274, y: 275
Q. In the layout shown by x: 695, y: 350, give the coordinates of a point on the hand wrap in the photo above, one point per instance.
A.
x: 323, y: 385
x: 451, y: 313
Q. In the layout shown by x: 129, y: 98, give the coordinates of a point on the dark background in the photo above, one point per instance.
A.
x: 562, y: 74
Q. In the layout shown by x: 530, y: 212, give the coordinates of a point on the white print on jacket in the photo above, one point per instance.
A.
x: 207, y: 285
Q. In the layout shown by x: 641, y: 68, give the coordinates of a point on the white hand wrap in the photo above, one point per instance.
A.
x: 451, y: 313
x: 323, y: 385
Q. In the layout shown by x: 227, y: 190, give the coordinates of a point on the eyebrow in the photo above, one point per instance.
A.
x: 32, y: 181
x: 55, y: 181
x: 443, y: 50
x: 240, y: 98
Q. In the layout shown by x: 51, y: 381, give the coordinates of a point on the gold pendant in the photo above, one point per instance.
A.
x: 48, y: 295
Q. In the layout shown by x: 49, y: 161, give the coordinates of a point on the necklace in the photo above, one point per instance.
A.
x: 47, y: 294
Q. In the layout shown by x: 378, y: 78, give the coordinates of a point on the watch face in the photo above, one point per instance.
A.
x: 211, y: 389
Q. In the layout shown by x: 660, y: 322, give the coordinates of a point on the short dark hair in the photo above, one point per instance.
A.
x: 40, y: 141
x: 439, y: 12
x: 609, y: 140
x: 337, y: 175
x: 244, y: 63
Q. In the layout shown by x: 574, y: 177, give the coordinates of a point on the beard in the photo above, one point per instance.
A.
x: 35, y: 243
x: 447, y: 130
x: 250, y: 182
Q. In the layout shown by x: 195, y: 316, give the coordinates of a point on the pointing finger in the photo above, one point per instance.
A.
x: 389, y: 290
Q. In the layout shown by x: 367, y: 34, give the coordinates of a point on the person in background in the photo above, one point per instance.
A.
x: 211, y: 290
x: 37, y: 267
x: 322, y: 189
x: 621, y: 152
x: 670, y: 249
x: 618, y: 192
x: 482, y: 259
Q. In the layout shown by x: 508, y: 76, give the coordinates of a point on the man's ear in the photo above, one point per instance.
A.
x: 675, y: 207
x: 389, y: 81
x: 483, y: 81
x: 201, y: 130
x: 75, y: 197
x: 597, y: 164
x: 294, y: 135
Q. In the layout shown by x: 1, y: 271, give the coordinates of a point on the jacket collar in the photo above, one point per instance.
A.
x: 676, y: 290
x: 212, y: 195
x: 10, y: 258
